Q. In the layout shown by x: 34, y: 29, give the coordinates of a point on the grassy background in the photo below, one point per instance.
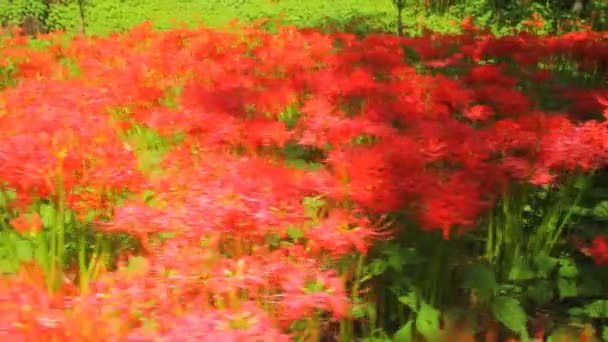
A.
x: 105, y: 16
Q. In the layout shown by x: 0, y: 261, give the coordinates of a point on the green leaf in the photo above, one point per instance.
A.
x: 294, y: 233
x: 565, y: 333
x: 411, y: 301
x: 47, y: 214
x: 509, y: 312
x: 148, y: 195
x: 405, y: 333
x: 582, y: 182
x: 597, y: 309
x: 567, y: 288
x: 482, y: 280
x: 521, y: 270
x: 41, y: 254
x: 24, y: 250
x: 582, y: 211
x: 427, y: 322
x: 90, y: 215
x: 601, y: 210
x: 6, y: 267
x: 541, y: 292
x: 577, y: 313
x: 374, y: 269
x: 7, y: 196
x: 396, y: 262
x: 544, y: 264
x: 358, y: 311
x: 137, y: 266
x: 567, y: 268
x: 410, y: 256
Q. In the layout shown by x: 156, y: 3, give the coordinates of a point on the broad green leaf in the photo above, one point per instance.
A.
x: 411, y: 301
x: 567, y: 288
x: 521, y: 270
x: 597, y: 309
x: 509, y: 312
x: 541, y: 292
x: 6, y: 267
x: 24, y: 250
x: 567, y: 268
x: 427, y: 322
x: 601, y: 210
x: 47, y: 214
x: 405, y: 333
x: 482, y: 280
x: 396, y: 262
x: 544, y: 264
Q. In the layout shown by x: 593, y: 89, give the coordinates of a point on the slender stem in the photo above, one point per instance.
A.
x: 42, y: 243
x: 558, y: 233
x: 52, y: 259
x: 83, y: 274
x: 490, y: 243
x: 58, y: 233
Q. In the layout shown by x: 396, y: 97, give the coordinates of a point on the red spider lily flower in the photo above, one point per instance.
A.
x: 342, y: 233
x: 224, y: 260
x: 598, y: 250
x: 478, y: 113
x: 27, y: 223
x: 245, y: 324
x: 304, y: 295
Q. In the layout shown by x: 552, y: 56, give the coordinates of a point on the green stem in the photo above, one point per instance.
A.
x: 52, y: 259
x: 346, y: 325
x: 43, y: 243
x: 490, y: 243
x: 83, y: 272
x: 558, y: 233
x: 58, y: 239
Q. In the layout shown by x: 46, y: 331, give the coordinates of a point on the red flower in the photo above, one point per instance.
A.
x: 26, y: 223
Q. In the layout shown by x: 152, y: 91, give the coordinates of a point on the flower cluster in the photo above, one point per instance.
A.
x: 237, y: 242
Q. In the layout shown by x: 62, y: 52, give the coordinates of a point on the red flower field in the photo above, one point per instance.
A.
x: 248, y: 166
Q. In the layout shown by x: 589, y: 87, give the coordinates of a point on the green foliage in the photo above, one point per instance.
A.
x: 405, y: 333
x: 427, y: 322
x: 12, y: 11
x: 482, y: 280
x: 509, y: 312
x: 419, y: 277
x: 105, y: 16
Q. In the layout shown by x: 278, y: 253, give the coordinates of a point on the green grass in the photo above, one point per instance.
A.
x: 105, y: 16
